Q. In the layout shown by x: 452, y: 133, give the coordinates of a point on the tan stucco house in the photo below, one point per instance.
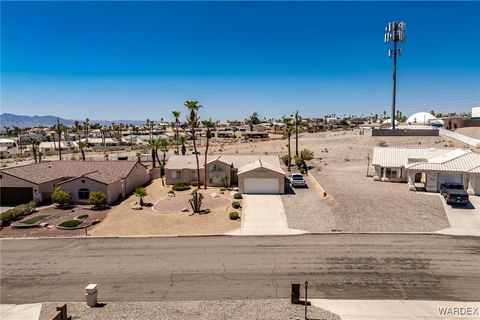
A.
x: 37, y: 181
x: 428, y: 168
x: 252, y: 173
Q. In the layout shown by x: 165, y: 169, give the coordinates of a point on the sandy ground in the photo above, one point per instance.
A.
x: 355, y: 202
x: 124, y: 221
x: 471, y: 132
x: 195, y: 310
x: 56, y: 216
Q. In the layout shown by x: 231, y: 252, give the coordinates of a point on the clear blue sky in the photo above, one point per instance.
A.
x: 125, y: 60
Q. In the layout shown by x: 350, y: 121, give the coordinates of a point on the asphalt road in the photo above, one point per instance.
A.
x: 337, y: 266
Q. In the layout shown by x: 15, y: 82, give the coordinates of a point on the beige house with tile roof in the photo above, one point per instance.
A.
x: 252, y: 173
x: 428, y: 168
x: 37, y: 181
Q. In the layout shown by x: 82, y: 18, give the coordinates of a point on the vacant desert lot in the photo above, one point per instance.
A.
x: 355, y: 202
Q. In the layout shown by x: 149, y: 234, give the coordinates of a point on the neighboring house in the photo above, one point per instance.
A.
x: 99, y: 142
x: 37, y: 181
x: 252, y: 173
x: 50, y: 146
x: 8, y: 143
x: 224, y: 134
x: 428, y: 167
x: 255, y: 135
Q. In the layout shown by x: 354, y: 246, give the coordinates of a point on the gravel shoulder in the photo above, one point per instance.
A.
x: 195, y: 310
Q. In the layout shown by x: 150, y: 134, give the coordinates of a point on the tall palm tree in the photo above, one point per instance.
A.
x: 153, y: 148
x: 86, y: 127
x: 183, y: 141
x: 288, y: 130
x: 163, y: 145
x: 176, y: 115
x: 193, y: 119
x: 34, y: 142
x: 59, y: 129
x: 208, y: 125
x: 82, y: 145
x: 103, y: 132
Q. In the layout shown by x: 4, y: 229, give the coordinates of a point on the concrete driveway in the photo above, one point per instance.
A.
x: 264, y: 215
x: 463, y: 220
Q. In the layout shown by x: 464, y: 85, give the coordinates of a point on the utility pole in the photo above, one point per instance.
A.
x: 394, y: 32
x: 59, y: 139
x: 296, y: 133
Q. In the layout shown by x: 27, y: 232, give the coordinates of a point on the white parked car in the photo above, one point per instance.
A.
x: 296, y: 180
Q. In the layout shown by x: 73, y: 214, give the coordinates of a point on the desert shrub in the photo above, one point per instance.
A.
x: 382, y: 143
x: 180, y: 186
x: 236, y: 205
x: 307, y: 154
x: 223, y: 189
x: 347, y: 159
x: 60, y: 197
x: 97, y: 199
x: 237, y: 195
x: 285, y: 159
x: 298, y: 161
x: 234, y: 215
x: 171, y: 192
x: 194, y: 183
x: 16, y: 213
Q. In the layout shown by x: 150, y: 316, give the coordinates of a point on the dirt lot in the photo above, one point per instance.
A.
x: 471, y: 132
x: 124, y: 221
x: 56, y: 216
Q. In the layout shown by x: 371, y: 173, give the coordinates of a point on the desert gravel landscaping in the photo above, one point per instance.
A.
x: 194, y: 310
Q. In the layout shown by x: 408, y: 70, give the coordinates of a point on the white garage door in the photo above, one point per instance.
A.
x: 450, y: 178
x: 256, y: 185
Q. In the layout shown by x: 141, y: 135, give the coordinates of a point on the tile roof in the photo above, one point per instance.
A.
x: 399, y: 157
x: 237, y: 160
x: 259, y: 164
x: 102, y: 171
x: 454, y: 161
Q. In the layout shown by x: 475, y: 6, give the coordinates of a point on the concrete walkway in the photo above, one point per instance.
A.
x: 463, y: 220
x: 399, y: 309
x: 264, y: 215
x: 20, y: 311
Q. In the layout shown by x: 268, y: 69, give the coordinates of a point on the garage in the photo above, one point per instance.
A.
x: 449, y: 178
x: 261, y: 185
x: 15, y: 195
x: 260, y: 177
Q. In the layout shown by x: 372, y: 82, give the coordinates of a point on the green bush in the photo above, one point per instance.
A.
x: 235, y: 205
x: 70, y: 223
x: 83, y: 216
x: 298, y: 161
x: 171, y: 192
x: 194, y: 183
x: 34, y: 220
x: 234, y: 215
x: 285, y: 159
x: 60, y: 197
x: 237, y: 195
x: 97, y: 199
x: 17, y: 213
x: 181, y: 187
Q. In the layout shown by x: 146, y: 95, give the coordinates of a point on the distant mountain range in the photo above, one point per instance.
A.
x: 22, y: 121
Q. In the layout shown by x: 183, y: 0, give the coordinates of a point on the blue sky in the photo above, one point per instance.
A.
x: 126, y: 60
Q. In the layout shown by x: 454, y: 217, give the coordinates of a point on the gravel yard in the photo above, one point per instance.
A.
x: 192, y: 310
x: 356, y: 203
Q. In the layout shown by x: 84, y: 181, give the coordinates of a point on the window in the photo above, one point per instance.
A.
x: 216, y: 168
x: 83, y: 194
x: 391, y: 173
x: 194, y: 175
x: 176, y: 174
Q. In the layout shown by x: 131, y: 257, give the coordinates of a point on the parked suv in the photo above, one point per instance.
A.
x: 454, y: 193
x: 296, y: 180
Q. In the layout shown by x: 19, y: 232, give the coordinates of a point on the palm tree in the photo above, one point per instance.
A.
x: 207, y: 124
x: 59, y: 128
x: 183, y: 141
x: 192, y: 119
x: 176, y: 115
x: 163, y: 146
x: 34, y: 142
x: 82, y: 145
x: 288, y: 130
x: 103, y: 132
x: 141, y: 193
x: 86, y: 127
x: 153, y: 147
